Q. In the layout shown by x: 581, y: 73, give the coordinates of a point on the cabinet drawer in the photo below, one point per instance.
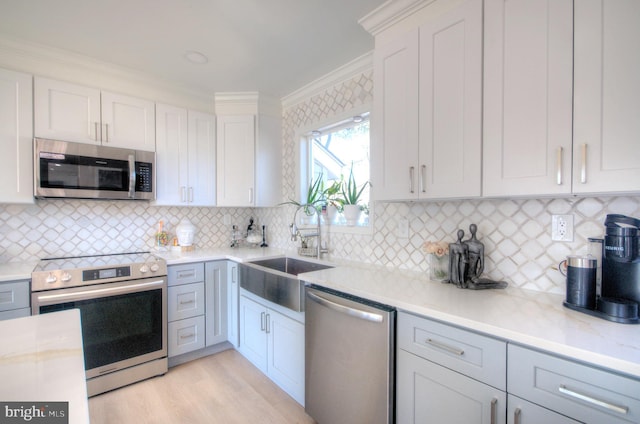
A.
x: 186, y: 335
x: 14, y: 295
x: 469, y: 353
x: 185, y: 301
x: 185, y: 274
x: 15, y: 313
x: 587, y: 394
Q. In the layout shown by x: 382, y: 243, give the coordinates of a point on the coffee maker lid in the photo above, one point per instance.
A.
x: 621, y: 225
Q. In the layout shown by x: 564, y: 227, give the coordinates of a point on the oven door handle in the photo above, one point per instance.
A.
x: 94, y: 293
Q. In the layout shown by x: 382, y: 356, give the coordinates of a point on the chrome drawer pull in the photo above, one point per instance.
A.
x: 616, y: 408
x: 188, y: 336
x: 182, y: 302
x: 559, y: 166
x: 411, y: 172
x: 494, y: 409
x: 448, y: 348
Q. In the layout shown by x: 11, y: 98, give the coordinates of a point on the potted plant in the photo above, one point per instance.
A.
x: 332, y: 199
x: 315, y: 197
x: 350, y: 198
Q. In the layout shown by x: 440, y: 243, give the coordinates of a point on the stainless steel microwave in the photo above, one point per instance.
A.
x: 87, y: 171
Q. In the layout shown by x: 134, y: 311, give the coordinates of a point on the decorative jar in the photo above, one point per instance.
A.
x: 438, y: 267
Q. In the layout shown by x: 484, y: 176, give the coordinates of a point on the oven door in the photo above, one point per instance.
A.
x: 123, y: 324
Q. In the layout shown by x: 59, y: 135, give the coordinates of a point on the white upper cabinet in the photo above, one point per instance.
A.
x: 607, y: 96
x: 71, y: 112
x: 394, y: 126
x: 527, y: 137
x: 16, y: 134
x: 185, y: 157
x: 236, y: 153
x: 426, y: 134
x: 249, y: 150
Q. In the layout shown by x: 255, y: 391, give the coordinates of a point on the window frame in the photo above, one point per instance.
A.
x: 304, y: 162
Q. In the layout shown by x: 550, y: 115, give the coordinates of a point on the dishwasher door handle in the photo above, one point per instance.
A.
x: 357, y: 313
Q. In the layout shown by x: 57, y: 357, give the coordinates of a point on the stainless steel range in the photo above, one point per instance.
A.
x: 123, y: 306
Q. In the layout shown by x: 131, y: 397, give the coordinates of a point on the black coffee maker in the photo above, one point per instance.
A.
x: 621, y: 268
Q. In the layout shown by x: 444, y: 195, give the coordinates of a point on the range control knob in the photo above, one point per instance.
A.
x: 144, y: 269
x: 155, y: 267
x: 51, y: 278
x: 66, y: 277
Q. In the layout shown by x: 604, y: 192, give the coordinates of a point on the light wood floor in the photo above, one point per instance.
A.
x: 221, y: 388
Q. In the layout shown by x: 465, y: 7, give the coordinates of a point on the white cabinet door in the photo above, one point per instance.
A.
x: 171, y: 155
x: 202, y: 159
x: 394, y: 124
x: 527, y: 140
x: 253, y: 336
x: 65, y: 111
x: 607, y: 96
x: 286, y: 354
x: 128, y: 122
x: 216, y: 302
x: 426, y: 392
x: 236, y: 160
x: 233, y: 296
x: 451, y: 104
x: 16, y: 137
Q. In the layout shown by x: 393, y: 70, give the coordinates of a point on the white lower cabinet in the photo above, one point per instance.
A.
x: 197, y: 306
x: 581, y: 392
x: 427, y: 392
x: 215, y: 287
x: 274, y: 342
x: 448, y: 375
x: 14, y: 299
x: 186, y: 310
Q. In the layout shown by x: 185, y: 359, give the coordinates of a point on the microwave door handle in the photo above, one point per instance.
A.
x: 132, y: 176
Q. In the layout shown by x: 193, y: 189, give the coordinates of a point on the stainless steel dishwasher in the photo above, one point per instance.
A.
x: 349, y: 358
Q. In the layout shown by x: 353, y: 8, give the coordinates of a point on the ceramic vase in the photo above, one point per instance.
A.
x: 351, y: 214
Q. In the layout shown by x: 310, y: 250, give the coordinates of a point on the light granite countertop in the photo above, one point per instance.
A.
x: 41, y: 360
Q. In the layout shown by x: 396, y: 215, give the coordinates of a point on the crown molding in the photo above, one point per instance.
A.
x: 390, y: 13
x: 52, y: 62
x: 357, y: 66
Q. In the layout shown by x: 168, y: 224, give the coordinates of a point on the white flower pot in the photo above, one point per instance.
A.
x: 351, y: 214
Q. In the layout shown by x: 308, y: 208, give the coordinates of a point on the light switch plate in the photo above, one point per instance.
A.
x: 562, y: 227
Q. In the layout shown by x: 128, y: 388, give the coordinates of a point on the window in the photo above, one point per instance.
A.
x: 335, y: 151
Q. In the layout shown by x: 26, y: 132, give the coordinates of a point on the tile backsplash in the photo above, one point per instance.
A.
x: 516, y: 232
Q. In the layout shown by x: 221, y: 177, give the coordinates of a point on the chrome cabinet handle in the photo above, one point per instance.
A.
x: 234, y: 273
x: 559, y: 165
x: 95, y: 126
x: 446, y: 347
x: 187, y: 273
x: 182, y: 302
x: 183, y: 197
x: 494, y: 410
x: 188, y: 336
x: 262, y: 316
x: 610, y: 406
x: 423, y: 182
x: 516, y: 416
x: 268, y: 323
x: 583, y: 167
x: 251, y: 196
x: 106, y: 133
x: 191, y: 194
x: 411, y: 172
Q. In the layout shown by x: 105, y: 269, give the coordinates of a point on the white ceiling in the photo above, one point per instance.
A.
x: 271, y: 46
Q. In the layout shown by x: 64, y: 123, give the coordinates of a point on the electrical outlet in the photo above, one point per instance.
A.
x: 402, y: 230
x: 562, y: 227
